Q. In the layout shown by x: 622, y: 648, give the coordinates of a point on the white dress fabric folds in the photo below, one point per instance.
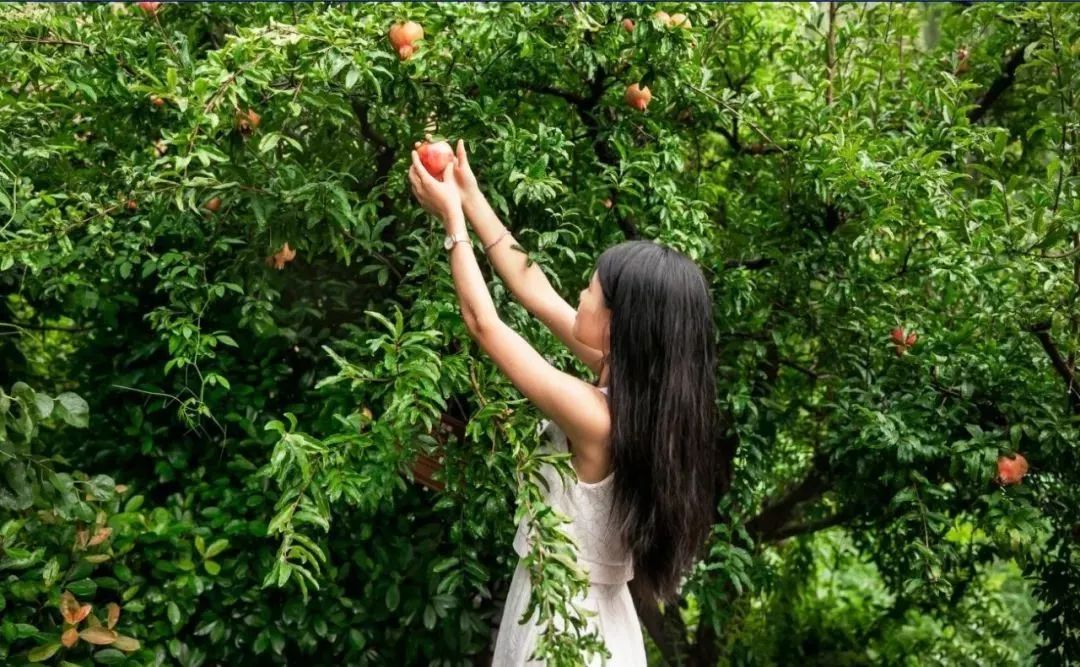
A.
x: 600, y: 552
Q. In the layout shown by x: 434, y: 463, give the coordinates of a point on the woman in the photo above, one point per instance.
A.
x: 642, y: 439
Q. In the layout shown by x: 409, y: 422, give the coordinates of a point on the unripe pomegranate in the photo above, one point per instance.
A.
x: 608, y: 203
x: 213, y: 205
x: 664, y: 17
x: 628, y: 25
x: 638, y: 97
x: 1011, y: 469
x: 680, y: 21
x: 436, y: 156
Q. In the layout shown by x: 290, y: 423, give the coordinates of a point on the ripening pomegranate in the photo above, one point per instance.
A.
x: 628, y: 25
x: 247, y: 121
x: 149, y: 7
x: 402, y: 36
x: 1011, y: 469
x: 664, y: 18
x: 282, y: 257
x: 911, y: 338
x: 436, y: 156
x: 213, y: 205
x: 898, y: 336
x: 637, y: 96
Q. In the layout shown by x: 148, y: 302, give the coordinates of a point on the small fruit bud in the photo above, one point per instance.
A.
x: 157, y: 101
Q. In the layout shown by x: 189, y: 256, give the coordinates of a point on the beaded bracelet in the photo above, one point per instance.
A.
x: 490, y: 245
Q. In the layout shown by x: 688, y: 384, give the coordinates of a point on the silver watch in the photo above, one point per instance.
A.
x: 451, y: 239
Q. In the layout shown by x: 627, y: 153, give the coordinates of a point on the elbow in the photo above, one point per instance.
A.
x: 479, y: 326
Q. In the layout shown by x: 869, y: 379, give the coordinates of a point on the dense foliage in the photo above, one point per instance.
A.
x: 227, y: 331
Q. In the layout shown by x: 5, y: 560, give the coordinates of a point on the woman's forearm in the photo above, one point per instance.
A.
x: 525, y: 282
x: 477, y: 307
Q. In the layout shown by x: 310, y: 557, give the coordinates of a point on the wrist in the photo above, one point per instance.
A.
x: 471, y: 198
x: 455, y: 224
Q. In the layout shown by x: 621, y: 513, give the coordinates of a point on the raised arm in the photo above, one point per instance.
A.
x: 528, y: 284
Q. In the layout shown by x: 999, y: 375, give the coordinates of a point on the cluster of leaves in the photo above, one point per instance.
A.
x: 198, y: 203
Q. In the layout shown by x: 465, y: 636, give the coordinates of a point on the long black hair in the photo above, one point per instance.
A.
x: 662, y: 396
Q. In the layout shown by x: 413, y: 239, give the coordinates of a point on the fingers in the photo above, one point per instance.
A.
x: 421, y: 171
x: 461, y: 152
x: 448, y: 173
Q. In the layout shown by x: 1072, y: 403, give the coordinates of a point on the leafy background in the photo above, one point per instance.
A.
x: 222, y: 450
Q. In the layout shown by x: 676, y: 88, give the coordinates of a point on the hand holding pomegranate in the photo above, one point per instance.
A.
x: 439, y: 196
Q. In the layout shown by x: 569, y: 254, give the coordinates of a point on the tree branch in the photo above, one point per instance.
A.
x: 752, y: 264
x: 777, y: 514
x: 998, y: 87
x: 813, y: 526
x: 1041, y: 331
x: 668, y: 631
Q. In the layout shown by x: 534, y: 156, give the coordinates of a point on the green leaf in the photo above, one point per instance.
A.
x: 43, y: 653
x: 110, y: 656
x: 73, y: 409
x: 216, y: 548
x: 393, y: 596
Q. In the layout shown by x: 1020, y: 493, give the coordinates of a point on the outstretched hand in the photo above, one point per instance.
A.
x: 463, y: 174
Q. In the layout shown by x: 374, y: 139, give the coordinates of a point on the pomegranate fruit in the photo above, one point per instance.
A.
x: 402, y: 36
x: 149, y: 7
x: 435, y: 157
x: 1011, y: 469
x: 213, y: 205
x: 628, y: 25
x: 679, y: 21
x: 637, y: 96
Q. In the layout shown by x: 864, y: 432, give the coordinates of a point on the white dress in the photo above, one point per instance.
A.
x: 600, y: 552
